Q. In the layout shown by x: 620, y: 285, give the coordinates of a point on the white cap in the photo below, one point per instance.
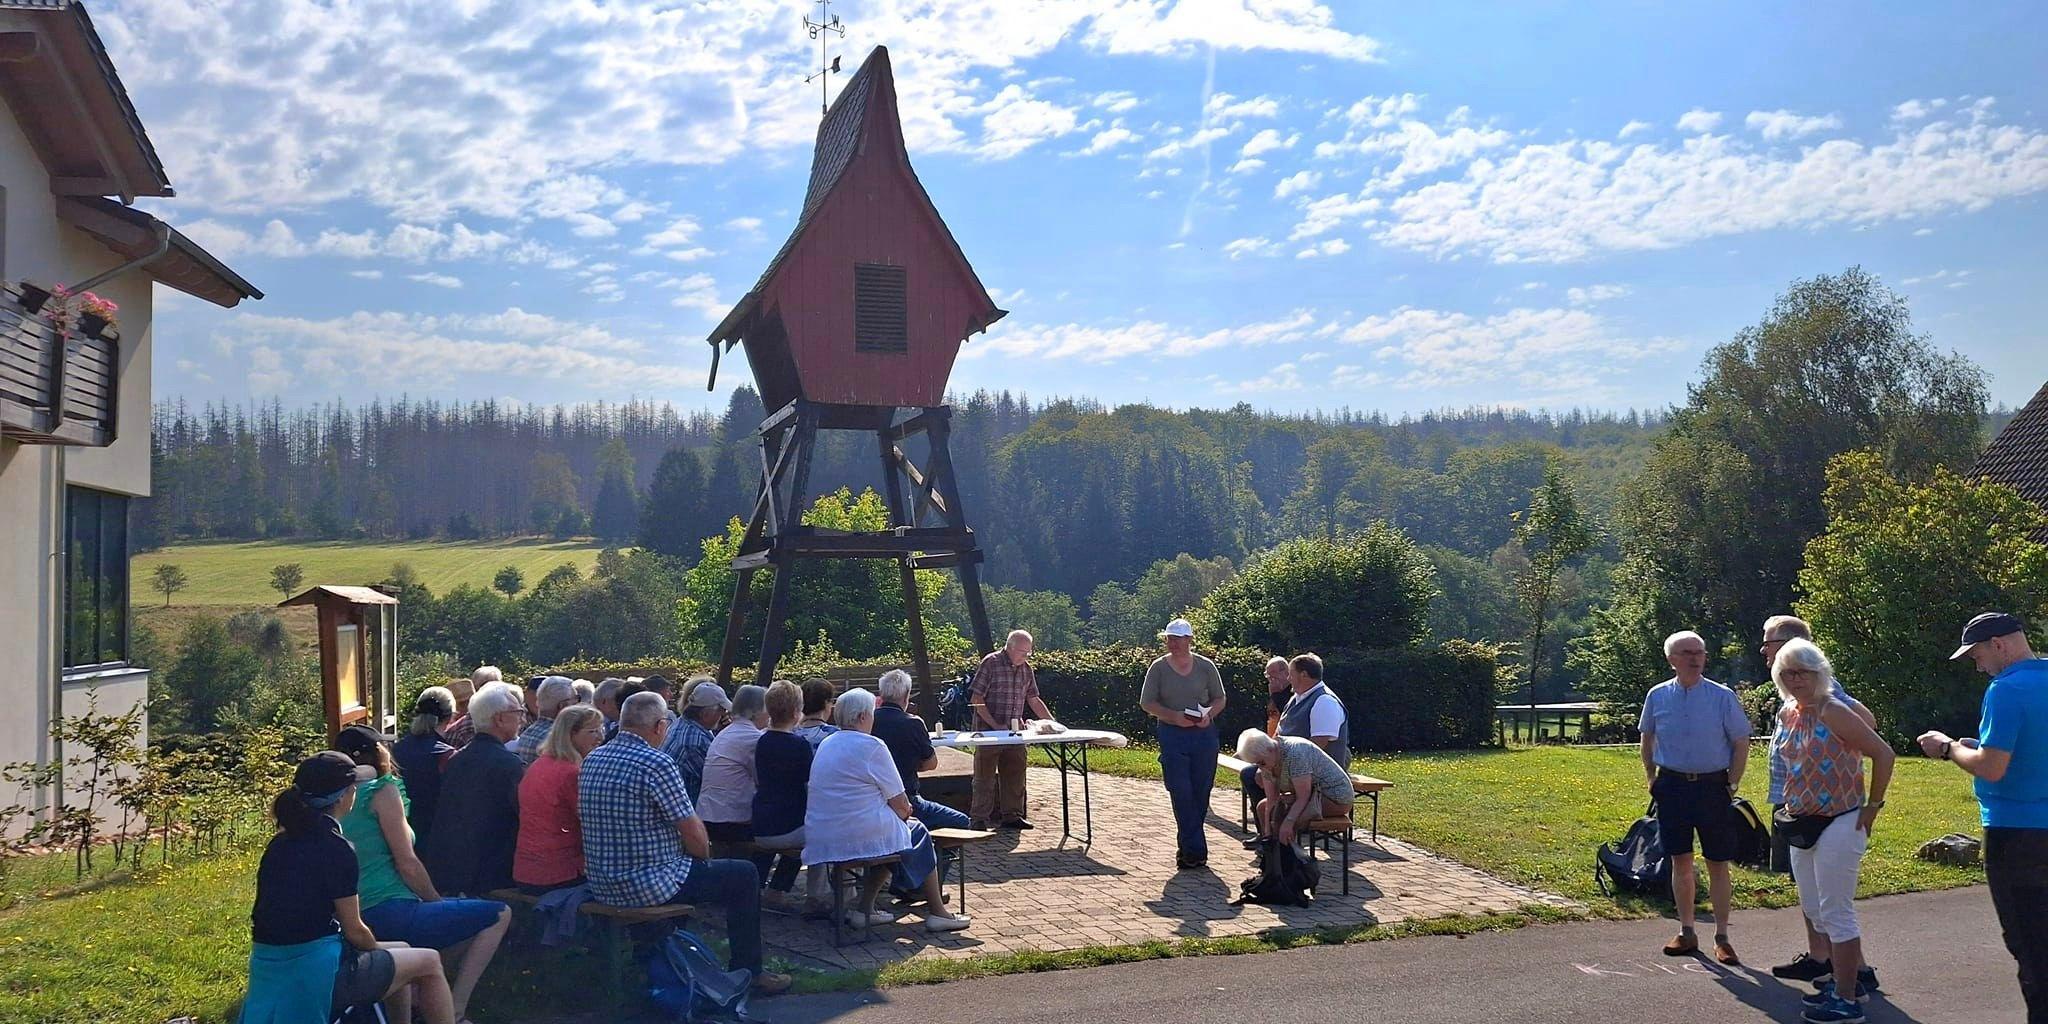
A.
x: 1178, y: 627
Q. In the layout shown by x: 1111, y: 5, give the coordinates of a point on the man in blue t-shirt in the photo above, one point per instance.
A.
x: 2009, y: 758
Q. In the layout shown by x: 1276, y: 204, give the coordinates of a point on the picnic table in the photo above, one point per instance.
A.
x: 1068, y: 752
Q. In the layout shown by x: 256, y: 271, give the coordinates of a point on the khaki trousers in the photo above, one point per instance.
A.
x: 998, y: 784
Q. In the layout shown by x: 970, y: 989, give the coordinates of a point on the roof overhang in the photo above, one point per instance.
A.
x: 133, y: 234
x: 57, y: 78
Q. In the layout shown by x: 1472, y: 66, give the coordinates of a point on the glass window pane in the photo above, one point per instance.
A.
x: 113, y: 578
x: 81, y: 570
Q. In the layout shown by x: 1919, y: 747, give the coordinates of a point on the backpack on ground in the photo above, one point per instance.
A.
x: 686, y: 983
x: 1285, y: 877
x: 1752, y: 839
x: 1637, y: 864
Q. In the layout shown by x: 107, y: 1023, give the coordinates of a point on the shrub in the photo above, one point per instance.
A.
x: 1369, y: 589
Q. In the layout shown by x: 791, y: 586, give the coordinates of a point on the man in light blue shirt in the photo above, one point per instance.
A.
x: 1695, y: 747
x: 2009, y: 759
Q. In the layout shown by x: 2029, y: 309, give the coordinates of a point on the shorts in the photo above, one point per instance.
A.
x: 363, y: 977
x: 1701, y: 806
x: 436, y: 925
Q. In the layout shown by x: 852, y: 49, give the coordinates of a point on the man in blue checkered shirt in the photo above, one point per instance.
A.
x: 643, y: 844
x: 550, y: 696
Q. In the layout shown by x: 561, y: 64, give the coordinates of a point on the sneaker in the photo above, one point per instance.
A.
x: 1802, y: 968
x: 1018, y: 823
x: 1825, y: 990
x: 1683, y: 945
x: 1866, y: 979
x: 946, y: 922
x: 1833, y: 1010
x: 768, y: 983
x: 859, y: 920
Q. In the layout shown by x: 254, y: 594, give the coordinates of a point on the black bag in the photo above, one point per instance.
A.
x: 1636, y: 864
x: 1752, y: 839
x: 1285, y: 877
x: 1801, y: 831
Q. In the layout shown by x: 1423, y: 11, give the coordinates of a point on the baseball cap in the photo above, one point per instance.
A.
x: 1988, y: 626
x: 710, y: 695
x: 324, y: 774
x: 1178, y: 627
x: 359, y: 741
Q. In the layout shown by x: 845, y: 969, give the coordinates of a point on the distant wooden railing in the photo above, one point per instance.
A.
x: 55, y: 389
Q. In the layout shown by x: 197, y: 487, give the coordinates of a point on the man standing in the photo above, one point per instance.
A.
x: 1004, y: 692
x: 1311, y: 712
x: 552, y: 695
x: 643, y: 844
x: 1812, y: 965
x: 1184, y: 692
x: 1695, y: 748
x: 2009, y: 759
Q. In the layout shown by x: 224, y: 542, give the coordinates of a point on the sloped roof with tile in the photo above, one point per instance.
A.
x: 841, y: 136
x: 2018, y: 456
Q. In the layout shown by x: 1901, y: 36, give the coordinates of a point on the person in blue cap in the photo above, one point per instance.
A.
x: 2009, y: 759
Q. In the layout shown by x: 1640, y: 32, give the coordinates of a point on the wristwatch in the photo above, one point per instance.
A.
x: 1947, y: 747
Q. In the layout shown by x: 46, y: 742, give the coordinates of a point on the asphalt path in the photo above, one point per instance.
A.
x: 1938, y: 956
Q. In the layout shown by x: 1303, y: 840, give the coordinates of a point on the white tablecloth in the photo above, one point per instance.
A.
x: 1006, y: 738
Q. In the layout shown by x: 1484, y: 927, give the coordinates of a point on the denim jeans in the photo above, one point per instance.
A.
x: 1187, y: 759
x: 736, y: 886
x: 2016, y: 866
x: 938, y: 816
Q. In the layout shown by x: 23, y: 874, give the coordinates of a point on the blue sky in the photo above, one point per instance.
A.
x: 1187, y: 202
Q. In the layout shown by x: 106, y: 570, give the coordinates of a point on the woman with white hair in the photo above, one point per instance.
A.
x: 1827, y: 815
x: 857, y: 811
x: 726, y: 803
x: 1301, y: 781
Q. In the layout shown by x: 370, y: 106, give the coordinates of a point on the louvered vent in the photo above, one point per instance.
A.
x: 880, y: 320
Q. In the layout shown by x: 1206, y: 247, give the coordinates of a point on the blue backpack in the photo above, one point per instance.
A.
x: 686, y: 983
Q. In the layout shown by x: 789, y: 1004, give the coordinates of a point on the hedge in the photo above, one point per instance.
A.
x: 1407, y: 698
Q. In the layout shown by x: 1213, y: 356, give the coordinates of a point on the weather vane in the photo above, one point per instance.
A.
x: 826, y: 23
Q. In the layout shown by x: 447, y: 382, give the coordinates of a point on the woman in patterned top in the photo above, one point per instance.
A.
x: 1826, y: 814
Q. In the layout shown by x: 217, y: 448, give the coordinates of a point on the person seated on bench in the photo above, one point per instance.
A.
x: 549, y: 854
x: 819, y: 696
x: 858, y: 811
x: 1301, y: 782
x: 782, y: 762
x: 910, y: 746
x: 1310, y: 711
x: 312, y: 955
x: 643, y: 844
x: 397, y: 899
x: 730, y: 778
x: 691, y: 733
x: 476, y: 828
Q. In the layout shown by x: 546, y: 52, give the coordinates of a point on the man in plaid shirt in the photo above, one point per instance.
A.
x: 643, y: 844
x: 1004, y: 690
x: 552, y: 695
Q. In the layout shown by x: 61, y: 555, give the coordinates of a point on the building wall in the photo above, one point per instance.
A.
x: 38, y: 247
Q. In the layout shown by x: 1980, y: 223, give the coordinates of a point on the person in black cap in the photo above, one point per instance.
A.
x: 312, y: 956
x: 2009, y: 758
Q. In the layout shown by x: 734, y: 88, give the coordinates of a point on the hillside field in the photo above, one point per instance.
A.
x: 238, y: 572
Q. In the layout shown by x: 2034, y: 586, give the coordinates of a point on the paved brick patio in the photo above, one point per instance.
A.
x: 1026, y: 891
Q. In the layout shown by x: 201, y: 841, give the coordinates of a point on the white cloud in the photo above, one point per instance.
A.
x: 745, y: 224
x: 367, y: 275
x: 437, y: 280
x: 1320, y: 216
x: 1944, y: 278
x: 1382, y: 111
x: 1632, y: 128
x: 674, y: 242
x: 1922, y: 232
x: 1290, y: 26
x: 1562, y: 201
x: 1284, y: 377
x: 1223, y: 107
x: 1784, y: 124
x: 1699, y: 121
x: 1246, y: 165
x: 1254, y: 246
x: 1593, y: 293
x: 1266, y: 141
x: 1102, y: 344
x: 1299, y: 181
x: 1176, y: 147
x: 1108, y: 139
x: 698, y: 292
x: 1015, y: 121
x: 1329, y: 247
x: 1914, y: 110
x: 1440, y: 348
x: 1115, y: 102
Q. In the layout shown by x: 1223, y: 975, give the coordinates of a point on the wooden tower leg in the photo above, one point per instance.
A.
x: 956, y: 517
x: 772, y: 627
x: 913, y: 612
x: 803, y: 433
x: 735, y: 626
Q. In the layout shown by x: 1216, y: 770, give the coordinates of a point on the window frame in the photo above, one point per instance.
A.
x: 109, y: 513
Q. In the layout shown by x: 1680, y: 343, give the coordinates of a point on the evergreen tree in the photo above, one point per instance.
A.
x: 615, y: 515
x: 672, y: 514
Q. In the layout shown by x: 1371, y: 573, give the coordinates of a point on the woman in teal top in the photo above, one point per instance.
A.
x: 400, y: 903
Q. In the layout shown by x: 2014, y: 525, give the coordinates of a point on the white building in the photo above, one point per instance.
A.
x: 74, y: 409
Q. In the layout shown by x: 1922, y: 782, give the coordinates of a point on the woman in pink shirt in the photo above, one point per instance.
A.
x: 549, y: 854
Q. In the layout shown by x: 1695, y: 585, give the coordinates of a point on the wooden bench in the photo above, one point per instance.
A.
x: 618, y: 946
x: 835, y: 873
x: 958, y: 840
x: 1361, y: 785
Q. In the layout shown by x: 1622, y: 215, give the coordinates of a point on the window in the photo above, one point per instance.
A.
x: 880, y: 321
x: 96, y: 577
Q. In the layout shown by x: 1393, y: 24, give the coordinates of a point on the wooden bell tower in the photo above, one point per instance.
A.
x: 855, y: 326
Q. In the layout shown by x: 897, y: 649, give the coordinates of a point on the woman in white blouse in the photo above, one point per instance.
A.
x: 857, y: 811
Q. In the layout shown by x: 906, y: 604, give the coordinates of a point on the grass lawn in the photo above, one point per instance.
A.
x: 238, y: 572
x: 1535, y: 815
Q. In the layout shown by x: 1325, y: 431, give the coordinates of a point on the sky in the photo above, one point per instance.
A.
x: 1299, y: 205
